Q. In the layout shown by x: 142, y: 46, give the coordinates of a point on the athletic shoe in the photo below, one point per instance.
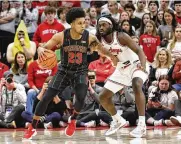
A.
x: 12, y: 125
x: 48, y: 125
x: 169, y: 123
x: 27, y: 125
x: 115, y: 125
x: 158, y: 122
x: 29, y: 133
x: 90, y: 124
x: 139, y: 131
x: 70, y: 129
x: 102, y: 123
x: 176, y: 120
x: 62, y: 124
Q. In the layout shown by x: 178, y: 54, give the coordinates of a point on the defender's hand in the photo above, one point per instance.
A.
x: 143, y: 68
x: 115, y: 60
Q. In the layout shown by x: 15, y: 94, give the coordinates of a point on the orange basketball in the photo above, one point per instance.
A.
x: 50, y: 61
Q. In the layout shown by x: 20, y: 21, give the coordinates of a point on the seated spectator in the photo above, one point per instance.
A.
x: 153, y: 6
x: 175, y: 46
x: 162, y: 66
x: 30, y: 17
x: 150, y: 41
x: 124, y: 16
x: 13, y: 100
x: 21, y: 43
x: 136, y: 39
x: 159, y: 19
x: 48, y: 28
x: 166, y: 30
x: 92, y: 12
x: 134, y: 21
x: 146, y: 17
x: 36, y: 78
x: 54, y: 112
x: 61, y: 13
x: 88, y: 26
x: 160, y: 104
x: 127, y: 28
x: 141, y: 8
x: 87, y: 116
x: 54, y: 4
x: 3, y: 68
x: 19, y: 69
x: 103, y: 68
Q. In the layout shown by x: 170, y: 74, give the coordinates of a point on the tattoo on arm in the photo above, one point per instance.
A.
x: 97, y: 46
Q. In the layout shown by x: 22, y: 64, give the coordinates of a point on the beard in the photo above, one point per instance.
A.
x: 109, y: 31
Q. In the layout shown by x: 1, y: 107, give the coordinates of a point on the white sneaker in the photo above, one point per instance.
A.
x: 176, y: 120
x: 115, y: 125
x: 139, y: 131
x: 102, y: 123
x: 158, y: 122
x: 62, y: 124
x: 90, y: 124
x: 48, y: 125
x: 169, y: 123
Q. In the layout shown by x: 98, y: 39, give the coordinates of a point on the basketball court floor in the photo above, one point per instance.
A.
x: 156, y: 135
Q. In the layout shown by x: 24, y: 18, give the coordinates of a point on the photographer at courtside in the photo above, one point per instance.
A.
x: 12, y: 101
x: 160, y: 106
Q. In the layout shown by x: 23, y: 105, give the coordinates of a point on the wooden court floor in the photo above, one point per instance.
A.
x: 157, y: 135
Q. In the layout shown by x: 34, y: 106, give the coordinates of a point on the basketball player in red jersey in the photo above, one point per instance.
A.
x: 73, y: 68
x: 130, y: 70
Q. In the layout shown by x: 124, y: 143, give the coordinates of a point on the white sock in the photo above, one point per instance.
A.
x: 117, y: 118
x: 141, y: 120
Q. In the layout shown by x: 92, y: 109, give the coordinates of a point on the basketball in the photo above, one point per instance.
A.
x: 49, y: 62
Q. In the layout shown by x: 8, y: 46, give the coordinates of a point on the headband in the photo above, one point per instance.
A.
x: 105, y: 19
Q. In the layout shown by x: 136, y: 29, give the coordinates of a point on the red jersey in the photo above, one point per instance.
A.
x: 37, y: 76
x: 45, y: 32
x: 149, y: 44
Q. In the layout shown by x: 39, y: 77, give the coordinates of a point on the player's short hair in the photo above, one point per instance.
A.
x: 74, y: 13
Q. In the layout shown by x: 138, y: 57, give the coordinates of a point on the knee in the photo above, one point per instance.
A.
x: 56, y: 115
x: 137, y: 84
x: 31, y: 93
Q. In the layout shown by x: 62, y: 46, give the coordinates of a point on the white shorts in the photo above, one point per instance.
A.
x: 123, y: 76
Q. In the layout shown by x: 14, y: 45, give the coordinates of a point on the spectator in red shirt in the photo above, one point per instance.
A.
x: 36, y: 78
x: 103, y: 68
x: 47, y: 29
x: 3, y: 68
x: 149, y: 41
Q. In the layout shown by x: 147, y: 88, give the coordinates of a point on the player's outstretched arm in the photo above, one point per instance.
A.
x: 95, y: 45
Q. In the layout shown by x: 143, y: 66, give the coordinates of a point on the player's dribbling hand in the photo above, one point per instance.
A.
x: 115, y: 60
x: 41, y: 53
